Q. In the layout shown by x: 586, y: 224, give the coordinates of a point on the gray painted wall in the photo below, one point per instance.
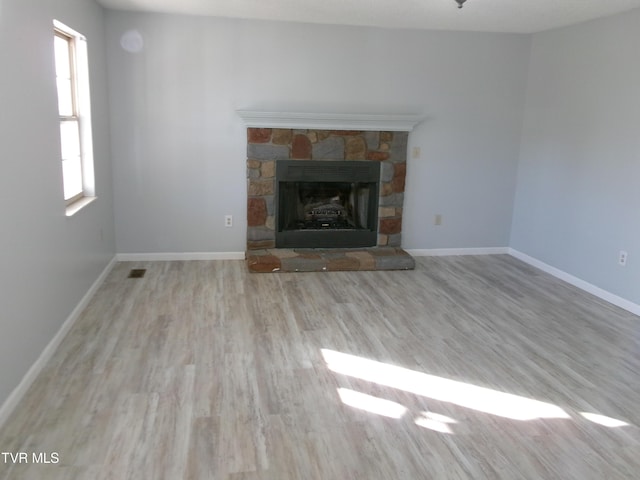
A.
x: 49, y: 261
x: 179, y: 147
x: 578, y: 191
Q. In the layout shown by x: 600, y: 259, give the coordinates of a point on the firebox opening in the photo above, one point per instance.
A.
x: 326, y: 204
x: 323, y: 205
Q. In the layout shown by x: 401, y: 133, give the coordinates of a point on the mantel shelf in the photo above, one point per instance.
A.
x: 330, y: 121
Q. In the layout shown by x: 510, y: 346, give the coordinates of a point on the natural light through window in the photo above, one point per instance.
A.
x: 603, y: 420
x: 434, y: 421
x: 372, y: 404
x: 72, y: 83
x: 459, y: 393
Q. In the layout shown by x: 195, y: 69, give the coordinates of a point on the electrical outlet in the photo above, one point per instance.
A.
x: 415, y: 152
x: 622, y: 258
x: 437, y: 220
x: 228, y: 220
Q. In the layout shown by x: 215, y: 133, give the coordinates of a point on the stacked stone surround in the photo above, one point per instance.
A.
x: 265, y: 146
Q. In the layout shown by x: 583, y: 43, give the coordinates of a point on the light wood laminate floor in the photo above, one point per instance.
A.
x: 465, y: 368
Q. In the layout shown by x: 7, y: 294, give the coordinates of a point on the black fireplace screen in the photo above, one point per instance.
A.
x: 324, y: 204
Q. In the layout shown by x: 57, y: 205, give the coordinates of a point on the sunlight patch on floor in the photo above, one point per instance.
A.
x: 371, y: 404
x: 604, y: 420
x: 434, y: 421
x: 458, y: 393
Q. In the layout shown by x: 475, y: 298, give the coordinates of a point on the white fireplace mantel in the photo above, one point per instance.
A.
x: 329, y: 121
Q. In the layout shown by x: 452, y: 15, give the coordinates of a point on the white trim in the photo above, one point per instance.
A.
x: 81, y: 113
x: 577, y: 282
x: 18, y: 393
x: 78, y: 205
x: 443, y: 252
x: 168, y: 257
x: 329, y: 121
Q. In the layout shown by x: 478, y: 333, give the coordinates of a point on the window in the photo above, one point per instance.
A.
x: 76, y: 149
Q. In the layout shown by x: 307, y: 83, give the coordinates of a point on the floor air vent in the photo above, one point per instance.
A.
x: 137, y: 273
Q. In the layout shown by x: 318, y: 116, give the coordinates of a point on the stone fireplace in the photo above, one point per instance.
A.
x: 357, y: 169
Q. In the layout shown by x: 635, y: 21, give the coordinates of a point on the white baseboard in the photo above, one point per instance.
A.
x: 168, y: 257
x: 577, y: 282
x: 443, y: 252
x: 18, y: 393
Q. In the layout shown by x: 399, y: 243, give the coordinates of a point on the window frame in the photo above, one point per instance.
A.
x: 80, y: 114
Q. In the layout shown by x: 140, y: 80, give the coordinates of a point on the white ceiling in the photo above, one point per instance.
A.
x: 521, y: 16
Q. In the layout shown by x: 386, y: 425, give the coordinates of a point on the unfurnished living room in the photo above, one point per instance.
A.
x: 347, y: 239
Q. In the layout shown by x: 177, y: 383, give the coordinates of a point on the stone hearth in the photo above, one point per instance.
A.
x: 328, y: 260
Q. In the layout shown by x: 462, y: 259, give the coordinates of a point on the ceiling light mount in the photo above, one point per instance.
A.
x: 460, y: 3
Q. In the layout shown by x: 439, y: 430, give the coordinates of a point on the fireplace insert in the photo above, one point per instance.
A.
x: 326, y: 204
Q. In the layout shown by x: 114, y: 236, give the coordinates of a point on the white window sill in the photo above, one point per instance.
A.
x: 78, y: 205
